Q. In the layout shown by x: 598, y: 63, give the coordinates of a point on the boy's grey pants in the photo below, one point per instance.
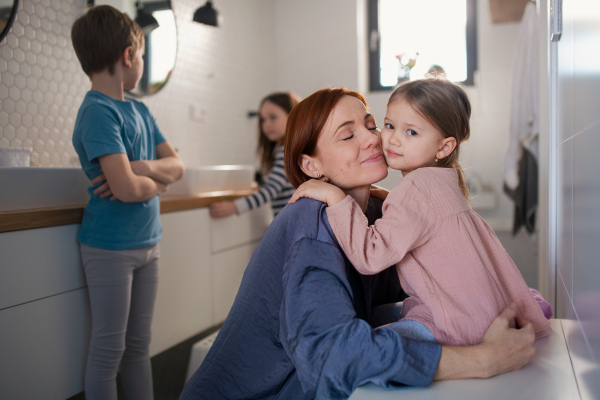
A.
x: 122, y: 289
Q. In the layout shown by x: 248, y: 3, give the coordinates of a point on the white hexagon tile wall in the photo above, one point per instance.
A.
x: 41, y: 82
x: 225, y: 71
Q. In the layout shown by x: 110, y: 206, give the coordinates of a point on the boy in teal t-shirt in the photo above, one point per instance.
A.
x: 129, y: 163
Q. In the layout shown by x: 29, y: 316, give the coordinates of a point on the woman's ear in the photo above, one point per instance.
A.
x: 447, y: 147
x: 310, y: 166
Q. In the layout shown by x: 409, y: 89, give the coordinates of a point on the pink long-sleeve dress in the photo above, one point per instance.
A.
x: 450, y: 262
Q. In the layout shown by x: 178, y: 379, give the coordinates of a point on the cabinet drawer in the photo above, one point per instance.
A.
x: 38, y: 263
x: 240, y: 229
x: 228, y: 270
x: 184, y: 298
x: 43, y: 347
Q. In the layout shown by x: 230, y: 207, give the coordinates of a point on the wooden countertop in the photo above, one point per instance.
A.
x: 16, y: 220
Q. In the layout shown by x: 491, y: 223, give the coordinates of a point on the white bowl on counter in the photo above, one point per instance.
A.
x: 36, y: 187
x: 213, y: 178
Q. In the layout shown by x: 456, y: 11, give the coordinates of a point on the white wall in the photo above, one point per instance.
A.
x: 577, y: 127
x: 316, y: 44
x: 320, y: 44
x: 224, y: 71
x: 261, y: 46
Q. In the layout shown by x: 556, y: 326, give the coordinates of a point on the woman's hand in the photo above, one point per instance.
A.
x: 379, y: 192
x: 319, y: 190
x: 508, y: 348
x: 503, y: 349
x: 223, y: 209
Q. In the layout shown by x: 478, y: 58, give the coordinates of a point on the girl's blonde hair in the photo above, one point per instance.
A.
x: 265, y: 148
x: 445, y: 105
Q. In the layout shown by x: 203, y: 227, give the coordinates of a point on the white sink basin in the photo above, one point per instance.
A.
x: 33, y: 187
x: 213, y: 178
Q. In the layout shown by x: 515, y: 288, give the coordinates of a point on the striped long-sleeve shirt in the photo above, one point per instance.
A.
x: 277, y: 189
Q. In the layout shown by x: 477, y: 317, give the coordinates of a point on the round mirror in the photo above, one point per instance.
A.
x: 8, y: 10
x: 157, y: 21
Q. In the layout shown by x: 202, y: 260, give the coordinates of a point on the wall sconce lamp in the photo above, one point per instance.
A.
x: 206, y: 15
x: 144, y: 19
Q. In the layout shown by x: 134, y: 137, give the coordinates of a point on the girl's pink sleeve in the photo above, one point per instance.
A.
x: 544, y: 305
x: 407, y: 223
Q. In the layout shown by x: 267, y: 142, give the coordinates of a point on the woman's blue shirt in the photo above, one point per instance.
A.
x: 299, y: 329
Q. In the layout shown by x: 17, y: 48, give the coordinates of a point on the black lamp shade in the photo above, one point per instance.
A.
x: 206, y: 15
x: 146, y: 21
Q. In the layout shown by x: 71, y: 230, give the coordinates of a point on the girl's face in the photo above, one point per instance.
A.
x: 409, y: 140
x: 349, y: 150
x: 272, y: 121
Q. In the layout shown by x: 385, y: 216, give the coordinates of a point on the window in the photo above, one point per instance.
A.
x: 408, y: 38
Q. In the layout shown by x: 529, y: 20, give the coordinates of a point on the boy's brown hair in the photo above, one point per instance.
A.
x: 101, y: 35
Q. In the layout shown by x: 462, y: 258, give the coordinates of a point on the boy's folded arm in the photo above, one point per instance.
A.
x: 167, y: 169
x: 124, y: 184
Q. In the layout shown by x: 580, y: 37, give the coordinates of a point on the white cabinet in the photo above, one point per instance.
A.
x: 234, y: 239
x: 43, y: 347
x: 44, y: 307
x: 228, y: 270
x: 44, y: 320
x: 38, y: 263
x: 184, y: 304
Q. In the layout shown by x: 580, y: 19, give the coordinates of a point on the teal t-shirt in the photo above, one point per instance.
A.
x: 107, y: 126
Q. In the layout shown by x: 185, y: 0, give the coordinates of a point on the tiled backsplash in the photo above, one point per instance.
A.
x: 222, y: 72
x: 41, y: 83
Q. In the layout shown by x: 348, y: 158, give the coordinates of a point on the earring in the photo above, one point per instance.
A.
x: 436, y: 160
x: 318, y: 175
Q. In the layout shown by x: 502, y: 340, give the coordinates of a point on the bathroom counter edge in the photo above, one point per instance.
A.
x: 32, y: 218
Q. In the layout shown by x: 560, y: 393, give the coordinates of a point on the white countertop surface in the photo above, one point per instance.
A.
x: 549, y: 375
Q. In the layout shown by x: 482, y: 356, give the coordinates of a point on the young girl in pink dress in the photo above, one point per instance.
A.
x: 450, y: 262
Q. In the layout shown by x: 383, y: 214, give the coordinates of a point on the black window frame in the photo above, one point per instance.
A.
x: 373, y: 39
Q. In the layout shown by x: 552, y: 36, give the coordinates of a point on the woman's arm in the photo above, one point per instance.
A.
x: 503, y: 349
x: 332, y: 350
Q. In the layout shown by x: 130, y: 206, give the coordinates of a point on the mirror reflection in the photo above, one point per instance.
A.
x: 157, y: 21
x: 8, y: 9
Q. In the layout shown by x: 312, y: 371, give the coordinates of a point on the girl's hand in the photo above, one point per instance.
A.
x: 223, y: 209
x: 379, y: 192
x: 103, y: 191
x: 319, y: 190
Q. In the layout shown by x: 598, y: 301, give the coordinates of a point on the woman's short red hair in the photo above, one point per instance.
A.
x: 304, y: 126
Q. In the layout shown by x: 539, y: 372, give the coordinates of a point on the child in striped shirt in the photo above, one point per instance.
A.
x: 274, y: 110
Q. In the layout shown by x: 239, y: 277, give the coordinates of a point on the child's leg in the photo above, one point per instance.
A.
x: 108, y: 278
x: 109, y: 275
x: 412, y: 329
x: 136, y: 372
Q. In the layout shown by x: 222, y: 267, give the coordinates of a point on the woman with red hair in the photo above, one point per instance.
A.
x: 303, y: 323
